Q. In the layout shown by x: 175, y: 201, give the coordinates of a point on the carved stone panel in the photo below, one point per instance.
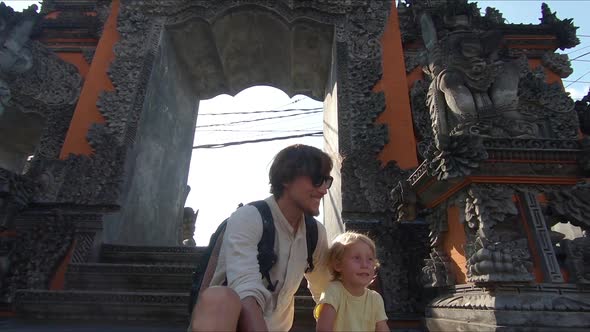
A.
x: 497, y: 249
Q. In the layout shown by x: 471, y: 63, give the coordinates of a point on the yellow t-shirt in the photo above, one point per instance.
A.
x: 353, y: 313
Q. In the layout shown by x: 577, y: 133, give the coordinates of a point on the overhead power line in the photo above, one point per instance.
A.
x: 255, y: 120
x: 223, y: 145
x: 578, y: 79
x: 269, y: 111
x: 583, y: 55
x: 582, y: 82
x: 579, y: 49
x: 260, y: 130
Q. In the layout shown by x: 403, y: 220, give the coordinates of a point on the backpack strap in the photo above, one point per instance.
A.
x: 311, y: 237
x: 266, y: 247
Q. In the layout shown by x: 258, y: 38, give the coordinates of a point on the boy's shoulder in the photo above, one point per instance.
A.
x: 334, y: 286
x: 375, y: 295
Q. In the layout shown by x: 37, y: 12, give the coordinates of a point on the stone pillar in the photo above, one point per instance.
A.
x: 502, y: 163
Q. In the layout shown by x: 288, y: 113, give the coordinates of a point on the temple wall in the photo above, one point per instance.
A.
x: 157, y: 164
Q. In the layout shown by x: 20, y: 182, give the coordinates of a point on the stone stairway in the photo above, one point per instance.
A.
x: 131, y: 284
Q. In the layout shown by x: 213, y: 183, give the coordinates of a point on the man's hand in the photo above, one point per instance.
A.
x: 251, y: 318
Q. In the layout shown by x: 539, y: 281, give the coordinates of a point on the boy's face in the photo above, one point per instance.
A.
x: 357, y: 267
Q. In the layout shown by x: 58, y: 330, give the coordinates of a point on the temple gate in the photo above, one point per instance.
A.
x: 455, y: 145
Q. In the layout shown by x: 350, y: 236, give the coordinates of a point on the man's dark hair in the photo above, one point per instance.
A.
x: 294, y: 161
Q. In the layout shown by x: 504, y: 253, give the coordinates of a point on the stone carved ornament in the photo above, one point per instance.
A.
x: 496, y: 249
x: 577, y: 259
x: 465, y: 95
x: 188, y: 227
x: 36, y: 81
x: 571, y: 205
x: 36, y: 254
x: 558, y: 63
x: 399, y: 248
x: 16, y: 192
x: 437, y: 270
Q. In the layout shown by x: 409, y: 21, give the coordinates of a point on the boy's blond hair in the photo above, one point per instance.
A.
x: 339, y: 245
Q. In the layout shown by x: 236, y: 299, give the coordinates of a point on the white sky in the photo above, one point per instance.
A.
x: 222, y: 178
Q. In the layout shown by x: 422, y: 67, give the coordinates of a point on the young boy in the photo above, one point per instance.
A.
x: 347, y: 304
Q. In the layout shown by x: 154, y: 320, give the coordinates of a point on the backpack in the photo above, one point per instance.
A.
x: 266, y: 255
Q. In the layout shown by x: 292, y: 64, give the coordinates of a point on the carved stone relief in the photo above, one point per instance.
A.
x: 577, y: 259
x: 399, y: 248
x: 582, y: 107
x: 437, y: 271
x: 36, y: 254
x: 496, y: 248
x: 467, y: 96
x: 571, y: 205
x: 16, y: 192
x: 558, y: 63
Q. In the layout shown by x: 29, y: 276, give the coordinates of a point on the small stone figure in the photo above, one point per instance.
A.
x: 188, y: 227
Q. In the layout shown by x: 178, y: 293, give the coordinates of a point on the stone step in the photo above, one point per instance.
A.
x: 129, y: 277
x: 102, y: 305
x: 109, y: 306
x: 119, y: 254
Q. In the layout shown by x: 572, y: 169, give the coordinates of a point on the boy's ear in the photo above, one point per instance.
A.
x: 338, y: 266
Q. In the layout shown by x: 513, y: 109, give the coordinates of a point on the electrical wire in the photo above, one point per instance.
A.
x: 579, y: 49
x: 223, y: 145
x: 578, y: 79
x: 582, y: 82
x: 259, y: 131
x: 269, y: 111
x: 576, y: 58
x: 255, y: 120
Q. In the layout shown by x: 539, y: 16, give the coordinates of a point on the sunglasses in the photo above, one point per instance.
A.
x: 321, y: 180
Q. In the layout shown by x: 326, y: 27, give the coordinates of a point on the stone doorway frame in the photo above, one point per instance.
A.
x: 364, y: 201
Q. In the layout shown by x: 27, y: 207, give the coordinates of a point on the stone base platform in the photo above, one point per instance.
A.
x: 545, y: 307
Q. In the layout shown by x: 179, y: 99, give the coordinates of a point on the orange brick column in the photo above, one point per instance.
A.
x: 97, y: 81
x: 398, y: 114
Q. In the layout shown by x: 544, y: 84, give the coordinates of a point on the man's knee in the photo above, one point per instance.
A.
x: 218, y: 309
x: 219, y: 297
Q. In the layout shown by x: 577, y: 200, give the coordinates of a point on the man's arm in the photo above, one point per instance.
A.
x: 243, y: 232
x: 318, y: 279
x: 251, y: 318
x: 326, y: 318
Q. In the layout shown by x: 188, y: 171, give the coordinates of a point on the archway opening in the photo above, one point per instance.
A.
x: 235, y: 141
x: 197, y: 60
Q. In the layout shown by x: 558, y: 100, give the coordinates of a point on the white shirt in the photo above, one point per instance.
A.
x: 238, y: 262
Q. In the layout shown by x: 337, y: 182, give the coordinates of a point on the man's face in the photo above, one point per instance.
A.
x: 305, y: 195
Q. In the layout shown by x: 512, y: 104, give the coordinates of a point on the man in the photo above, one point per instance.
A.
x: 299, y: 178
